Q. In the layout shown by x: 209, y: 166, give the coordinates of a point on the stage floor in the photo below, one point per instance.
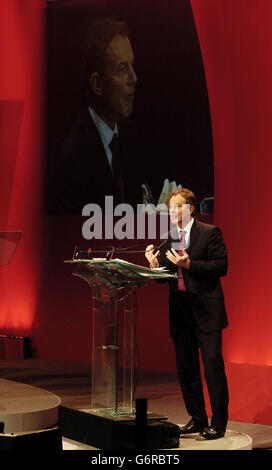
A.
x: 71, y: 383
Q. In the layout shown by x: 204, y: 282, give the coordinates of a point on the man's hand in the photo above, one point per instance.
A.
x: 151, y: 256
x: 181, y: 261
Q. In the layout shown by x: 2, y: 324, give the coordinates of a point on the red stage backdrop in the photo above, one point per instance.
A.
x: 39, y: 296
x: 22, y: 85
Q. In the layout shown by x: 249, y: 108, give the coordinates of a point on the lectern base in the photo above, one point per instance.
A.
x: 116, y: 433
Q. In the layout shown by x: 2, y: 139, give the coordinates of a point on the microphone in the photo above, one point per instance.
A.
x: 156, y: 247
x: 163, y: 243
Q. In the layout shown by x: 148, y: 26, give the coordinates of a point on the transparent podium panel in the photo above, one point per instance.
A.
x: 113, y: 349
x: 113, y: 345
x: 113, y: 283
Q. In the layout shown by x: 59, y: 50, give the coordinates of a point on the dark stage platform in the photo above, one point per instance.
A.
x: 71, y: 382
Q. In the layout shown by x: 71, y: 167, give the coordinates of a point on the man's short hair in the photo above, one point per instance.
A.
x: 98, y: 38
x: 189, y: 197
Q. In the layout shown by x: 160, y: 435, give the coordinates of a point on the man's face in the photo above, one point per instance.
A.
x: 118, y: 80
x: 180, y: 211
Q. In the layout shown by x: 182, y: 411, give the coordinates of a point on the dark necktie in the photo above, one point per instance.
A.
x: 181, y: 285
x: 116, y: 168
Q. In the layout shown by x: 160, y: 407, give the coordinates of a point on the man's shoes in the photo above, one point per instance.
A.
x: 212, y: 433
x: 194, y: 425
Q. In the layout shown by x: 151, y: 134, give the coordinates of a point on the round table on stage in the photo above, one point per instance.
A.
x: 24, y: 408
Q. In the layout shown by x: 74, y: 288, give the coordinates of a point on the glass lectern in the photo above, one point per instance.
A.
x: 113, y: 284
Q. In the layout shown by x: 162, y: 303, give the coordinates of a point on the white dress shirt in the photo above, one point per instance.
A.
x: 186, y: 233
x: 105, y: 132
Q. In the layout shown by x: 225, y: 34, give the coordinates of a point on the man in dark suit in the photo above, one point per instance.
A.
x: 197, y: 253
x: 100, y: 150
x: 102, y: 155
x: 84, y: 175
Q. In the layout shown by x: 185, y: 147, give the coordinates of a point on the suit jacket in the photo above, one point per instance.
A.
x: 208, y: 256
x: 83, y: 174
